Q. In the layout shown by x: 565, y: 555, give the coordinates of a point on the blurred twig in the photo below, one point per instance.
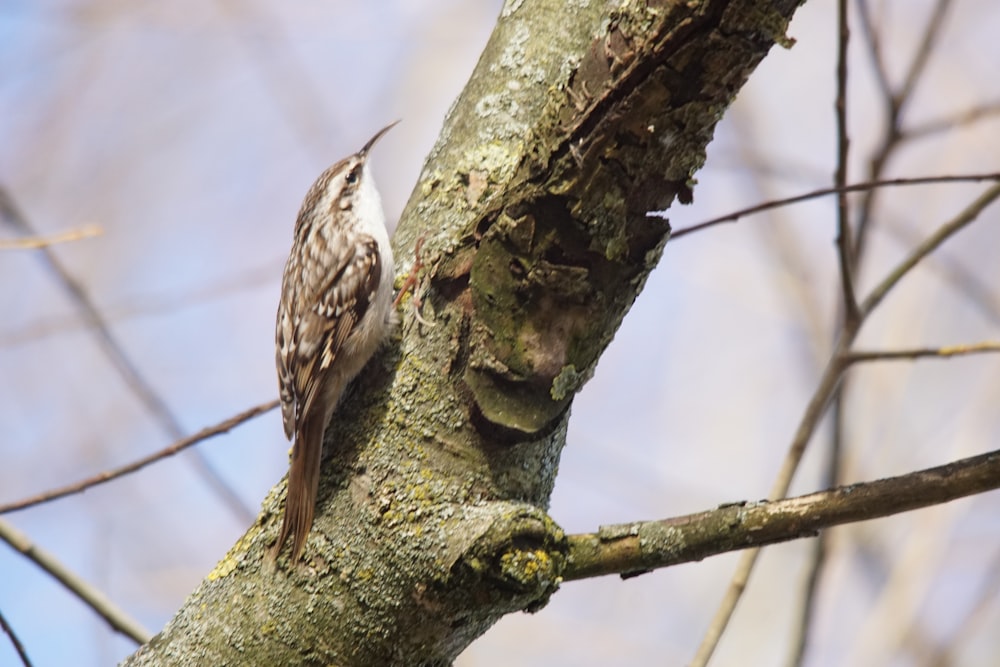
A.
x: 947, y: 123
x: 923, y: 352
x: 932, y: 30
x: 150, y: 304
x: 850, y: 253
x: 9, y: 631
x: 109, y: 475
x: 34, y: 242
x: 895, y: 102
x: 959, y: 222
x: 91, y: 596
x: 959, y: 275
x: 122, y: 362
x: 870, y: 34
x: 782, y: 241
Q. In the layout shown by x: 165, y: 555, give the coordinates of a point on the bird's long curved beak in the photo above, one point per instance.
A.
x: 378, y: 135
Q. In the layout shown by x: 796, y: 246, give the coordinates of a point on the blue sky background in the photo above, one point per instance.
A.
x: 190, y: 131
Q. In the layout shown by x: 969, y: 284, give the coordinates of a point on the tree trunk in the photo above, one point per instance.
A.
x: 431, y: 525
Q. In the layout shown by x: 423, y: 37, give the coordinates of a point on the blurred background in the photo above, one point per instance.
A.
x: 189, y: 133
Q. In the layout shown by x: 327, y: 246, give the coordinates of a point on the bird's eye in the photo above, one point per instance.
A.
x: 352, y: 176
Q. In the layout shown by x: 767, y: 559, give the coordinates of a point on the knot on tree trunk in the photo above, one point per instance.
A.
x: 520, y: 556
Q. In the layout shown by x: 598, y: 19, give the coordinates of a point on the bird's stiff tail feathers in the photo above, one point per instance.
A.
x: 303, y: 484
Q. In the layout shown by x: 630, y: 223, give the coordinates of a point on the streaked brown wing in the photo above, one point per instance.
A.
x: 330, y: 303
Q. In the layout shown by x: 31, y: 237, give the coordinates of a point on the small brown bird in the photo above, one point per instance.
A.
x: 335, y: 311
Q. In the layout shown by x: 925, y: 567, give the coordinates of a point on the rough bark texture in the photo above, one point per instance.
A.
x: 579, y: 119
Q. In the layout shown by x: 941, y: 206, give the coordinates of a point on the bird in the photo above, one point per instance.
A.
x: 334, y: 313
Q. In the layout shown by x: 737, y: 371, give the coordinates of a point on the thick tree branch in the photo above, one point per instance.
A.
x: 647, y: 545
x: 430, y: 522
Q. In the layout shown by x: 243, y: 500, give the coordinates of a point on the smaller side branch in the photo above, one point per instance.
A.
x: 922, y: 352
x: 824, y: 192
x: 871, y: 37
x: 18, y: 646
x: 647, y: 545
x: 108, y: 475
x: 845, y: 246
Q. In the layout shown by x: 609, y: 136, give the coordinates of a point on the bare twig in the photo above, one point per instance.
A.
x: 803, y: 621
x: 91, y: 596
x: 845, y: 246
x: 9, y: 631
x: 825, y: 192
x: 850, y: 317
x: 832, y: 472
x: 922, y: 352
x: 637, y: 547
x: 836, y: 445
x: 32, y: 242
x: 957, y: 274
x: 109, y: 475
x: 122, y: 362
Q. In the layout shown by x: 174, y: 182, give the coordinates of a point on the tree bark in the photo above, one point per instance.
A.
x: 431, y: 525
